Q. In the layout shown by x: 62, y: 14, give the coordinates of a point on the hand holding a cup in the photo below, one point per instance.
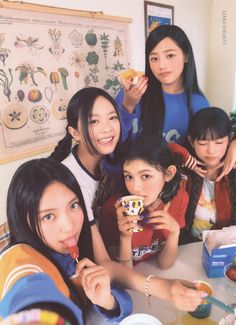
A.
x: 128, y: 209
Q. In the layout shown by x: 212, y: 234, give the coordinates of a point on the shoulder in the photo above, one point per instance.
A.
x: 199, y: 101
x: 34, y: 289
x: 22, y: 260
x: 119, y: 98
x: 69, y: 161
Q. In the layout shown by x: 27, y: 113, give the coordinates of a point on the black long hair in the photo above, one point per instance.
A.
x: 23, y: 198
x: 153, y: 106
x: 209, y: 123
x: 154, y: 150
x: 80, y: 108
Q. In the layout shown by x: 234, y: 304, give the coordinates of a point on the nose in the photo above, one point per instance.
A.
x: 137, y: 186
x: 211, y: 147
x: 162, y: 63
x: 66, y: 224
x: 106, y: 127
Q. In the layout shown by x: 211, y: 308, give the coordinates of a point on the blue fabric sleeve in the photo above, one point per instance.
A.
x: 124, y: 303
x: 33, y: 289
x: 130, y: 122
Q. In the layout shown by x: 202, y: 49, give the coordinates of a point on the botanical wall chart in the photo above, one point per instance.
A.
x: 44, y: 59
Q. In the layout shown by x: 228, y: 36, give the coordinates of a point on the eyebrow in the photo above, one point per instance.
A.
x: 54, y: 209
x: 169, y: 50
x: 140, y: 172
x: 109, y: 113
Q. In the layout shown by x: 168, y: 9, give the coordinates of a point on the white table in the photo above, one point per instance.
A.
x: 188, y: 266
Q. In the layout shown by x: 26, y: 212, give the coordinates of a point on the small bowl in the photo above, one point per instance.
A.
x: 142, y: 319
x: 226, y: 268
x: 230, y: 284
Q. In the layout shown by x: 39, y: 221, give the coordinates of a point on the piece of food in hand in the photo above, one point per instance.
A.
x: 129, y: 77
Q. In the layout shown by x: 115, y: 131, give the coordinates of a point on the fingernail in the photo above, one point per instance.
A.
x: 205, y: 294
x: 126, y: 205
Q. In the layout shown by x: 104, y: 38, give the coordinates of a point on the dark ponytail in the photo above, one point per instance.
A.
x: 63, y: 148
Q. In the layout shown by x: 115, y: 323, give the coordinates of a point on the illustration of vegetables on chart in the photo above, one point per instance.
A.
x: 44, y: 59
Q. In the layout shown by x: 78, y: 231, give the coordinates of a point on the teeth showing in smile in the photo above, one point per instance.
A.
x: 105, y: 141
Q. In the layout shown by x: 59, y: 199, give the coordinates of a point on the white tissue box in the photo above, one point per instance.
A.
x: 215, y: 261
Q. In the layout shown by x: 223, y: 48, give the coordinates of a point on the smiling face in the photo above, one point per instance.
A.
x: 60, y: 217
x: 167, y: 64
x: 210, y: 151
x: 104, y: 126
x: 143, y: 179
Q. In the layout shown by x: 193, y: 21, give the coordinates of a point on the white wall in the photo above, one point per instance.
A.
x: 191, y: 15
x: 222, y: 63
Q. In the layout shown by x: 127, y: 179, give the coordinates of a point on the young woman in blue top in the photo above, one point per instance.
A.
x: 168, y: 95
x: 163, y: 100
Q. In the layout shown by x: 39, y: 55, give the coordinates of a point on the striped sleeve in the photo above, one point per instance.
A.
x: 20, y: 261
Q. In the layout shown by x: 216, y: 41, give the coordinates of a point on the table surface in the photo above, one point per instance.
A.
x: 187, y: 266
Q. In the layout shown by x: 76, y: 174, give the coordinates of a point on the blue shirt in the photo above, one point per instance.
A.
x: 176, y: 116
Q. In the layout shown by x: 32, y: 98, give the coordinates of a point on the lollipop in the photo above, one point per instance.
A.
x: 71, y: 244
x: 74, y: 252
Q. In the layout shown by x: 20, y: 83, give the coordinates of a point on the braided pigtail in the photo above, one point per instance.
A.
x: 170, y: 188
x: 63, y: 148
x: 232, y: 190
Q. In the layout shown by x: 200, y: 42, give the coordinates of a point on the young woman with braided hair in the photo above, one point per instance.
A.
x: 150, y: 170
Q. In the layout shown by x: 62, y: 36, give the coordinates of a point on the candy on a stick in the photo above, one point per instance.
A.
x: 71, y: 244
x: 74, y: 252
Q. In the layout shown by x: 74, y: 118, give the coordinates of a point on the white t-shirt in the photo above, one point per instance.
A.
x: 205, y: 214
x: 88, y: 182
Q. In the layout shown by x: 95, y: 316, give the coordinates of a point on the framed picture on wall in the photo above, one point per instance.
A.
x: 156, y: 14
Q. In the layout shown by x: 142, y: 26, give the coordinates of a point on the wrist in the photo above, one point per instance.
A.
x: 174, y: 233
x: 147, y: 287
x: 110, y: 304
x: 124, y: 260
x: 125, y: 238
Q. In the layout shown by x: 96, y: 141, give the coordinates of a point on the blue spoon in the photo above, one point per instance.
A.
x: 222, y: 305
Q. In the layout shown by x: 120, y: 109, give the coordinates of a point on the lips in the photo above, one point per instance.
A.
x: 164, y: 74
x: 211, y: 158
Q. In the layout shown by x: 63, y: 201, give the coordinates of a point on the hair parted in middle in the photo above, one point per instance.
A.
x: 79, y: 109
x: 153, y: 106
